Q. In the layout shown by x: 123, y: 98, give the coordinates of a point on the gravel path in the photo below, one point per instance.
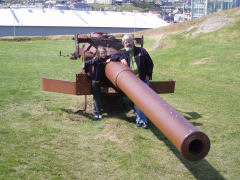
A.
x: 156, y: 44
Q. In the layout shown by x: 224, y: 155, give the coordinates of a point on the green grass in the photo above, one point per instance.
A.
x: 43, y: 136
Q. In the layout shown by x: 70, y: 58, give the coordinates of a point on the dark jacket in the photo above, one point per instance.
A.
x: 142, y: 58
x: 98, y: 73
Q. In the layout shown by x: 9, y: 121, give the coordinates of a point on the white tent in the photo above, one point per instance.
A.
x: 78, y: 19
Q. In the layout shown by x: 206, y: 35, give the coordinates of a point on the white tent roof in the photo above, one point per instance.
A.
x: 71, y: 18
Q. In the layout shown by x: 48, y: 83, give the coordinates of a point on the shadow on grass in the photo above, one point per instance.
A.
x: 126, y: 116
x: 126, y: 112
x: 200, y: 170
x: 191, y: 117
x: 79, y: 112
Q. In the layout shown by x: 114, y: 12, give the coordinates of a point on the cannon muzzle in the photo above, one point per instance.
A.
x: 190, y: 142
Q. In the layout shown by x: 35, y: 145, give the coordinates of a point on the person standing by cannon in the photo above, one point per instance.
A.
x: 97, y: 66
x: 138, y: 59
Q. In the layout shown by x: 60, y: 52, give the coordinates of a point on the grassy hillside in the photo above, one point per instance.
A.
x: 44, y: 135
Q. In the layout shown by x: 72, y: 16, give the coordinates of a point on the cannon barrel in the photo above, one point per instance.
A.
x: 190, y: 142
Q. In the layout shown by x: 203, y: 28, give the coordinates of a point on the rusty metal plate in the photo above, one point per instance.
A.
x: 80, y: 87
x: 161, y: 87
x: 59, y: 86
x: 83, y: 85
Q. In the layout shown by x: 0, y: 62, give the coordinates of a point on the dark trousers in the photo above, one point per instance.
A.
x: 96, y: 97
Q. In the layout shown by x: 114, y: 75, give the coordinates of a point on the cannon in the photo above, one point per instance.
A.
x: 189, y: 141
x: 111, y: 96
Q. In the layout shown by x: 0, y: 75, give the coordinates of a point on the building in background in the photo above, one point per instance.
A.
x: 90, y: 1
x: 99, y: 1
x: 217, y: 5
x: 238, y: 3
x: 198, y: 8
x: 201, y: 8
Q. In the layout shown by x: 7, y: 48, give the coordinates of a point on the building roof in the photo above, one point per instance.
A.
x: 72, y: 18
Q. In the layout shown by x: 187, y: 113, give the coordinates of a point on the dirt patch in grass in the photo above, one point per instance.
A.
x: 117, y: 132
x: 65, y: 115
x: 202, y: 61
x: 79, y: 118
x: 21, y: 126
x: 39, y: 110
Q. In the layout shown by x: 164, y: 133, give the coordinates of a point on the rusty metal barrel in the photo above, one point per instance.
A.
x: 189, y: 141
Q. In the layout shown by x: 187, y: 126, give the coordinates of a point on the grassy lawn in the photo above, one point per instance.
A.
x: 44, y: 136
